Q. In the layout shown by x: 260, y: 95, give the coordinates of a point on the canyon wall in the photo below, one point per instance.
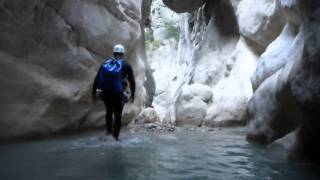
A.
x: 50, y: 52
x: 253, y: 62
x: 210, y: 69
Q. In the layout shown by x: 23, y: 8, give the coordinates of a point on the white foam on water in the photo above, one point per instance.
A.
x: 109, y: 141
x: 168, y: 136
x: 136, y: 141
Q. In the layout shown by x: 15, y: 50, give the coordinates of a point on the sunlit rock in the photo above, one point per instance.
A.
x: 231, y: 94
x: 162, y: 39
x: 210, y: 54
x: 260, y: 22
x: 221, y: 62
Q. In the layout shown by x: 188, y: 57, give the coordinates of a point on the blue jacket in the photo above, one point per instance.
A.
x: 127, y: 73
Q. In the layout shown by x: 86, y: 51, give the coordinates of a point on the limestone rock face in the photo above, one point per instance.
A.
x: 304, y: 82
x: 284, y: 108
x: 273, y: 110
x: 260, y: 22
x: 50, y: 52
x: 162, y: 38
x: 276, y: 56
x: 210, y: 54
x: 232, y: 93
x: 278, y: 95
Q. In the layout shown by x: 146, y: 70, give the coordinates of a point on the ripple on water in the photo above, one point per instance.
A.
x: 108, y: 141
x: 220, y: 155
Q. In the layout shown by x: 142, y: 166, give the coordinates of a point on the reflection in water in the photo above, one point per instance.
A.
x: 185, y: 155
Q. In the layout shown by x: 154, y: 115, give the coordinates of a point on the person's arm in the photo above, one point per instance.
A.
x: 131, y: 80
x: 95, y: 84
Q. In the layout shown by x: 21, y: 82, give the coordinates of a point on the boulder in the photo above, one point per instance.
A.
x: 260, y: 22
x: 148, y: 115
x: 191, y: 105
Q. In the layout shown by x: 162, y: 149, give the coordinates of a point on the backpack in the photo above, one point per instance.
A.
x: 110, y: 76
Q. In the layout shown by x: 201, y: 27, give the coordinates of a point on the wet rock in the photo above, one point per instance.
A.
x: 159, y: 128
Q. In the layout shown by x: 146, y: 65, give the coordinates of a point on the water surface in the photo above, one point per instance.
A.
x: 220, y: 155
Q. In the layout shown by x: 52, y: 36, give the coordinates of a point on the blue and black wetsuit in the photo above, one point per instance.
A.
x: 113, y: 100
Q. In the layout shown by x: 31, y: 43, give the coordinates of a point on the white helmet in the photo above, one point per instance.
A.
x: 118, y: 49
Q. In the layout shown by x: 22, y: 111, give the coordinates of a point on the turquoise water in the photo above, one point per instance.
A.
x: 220, y: 155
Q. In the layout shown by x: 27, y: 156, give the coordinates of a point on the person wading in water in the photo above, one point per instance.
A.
x: 110, y: 84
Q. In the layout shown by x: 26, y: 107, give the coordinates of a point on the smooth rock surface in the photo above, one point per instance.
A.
x: 273, y: 109
x: 192, y: 104
x: 260, y: 22
x: 231, y: 95
x: 50, y: 52
x: 284, y: 109
x: 276, y: 55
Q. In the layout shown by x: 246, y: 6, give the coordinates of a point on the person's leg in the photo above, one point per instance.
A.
x: 109, y: 114
x: 118, y: 107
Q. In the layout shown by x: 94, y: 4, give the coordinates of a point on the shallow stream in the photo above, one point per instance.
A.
x: 220, y: 154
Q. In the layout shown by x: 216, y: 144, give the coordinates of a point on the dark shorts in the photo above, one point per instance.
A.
x: 113, y: 98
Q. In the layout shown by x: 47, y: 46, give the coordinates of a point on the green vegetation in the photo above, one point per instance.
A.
x: 151, y: 43
x: 172, y: 31
x: 148, y: 35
